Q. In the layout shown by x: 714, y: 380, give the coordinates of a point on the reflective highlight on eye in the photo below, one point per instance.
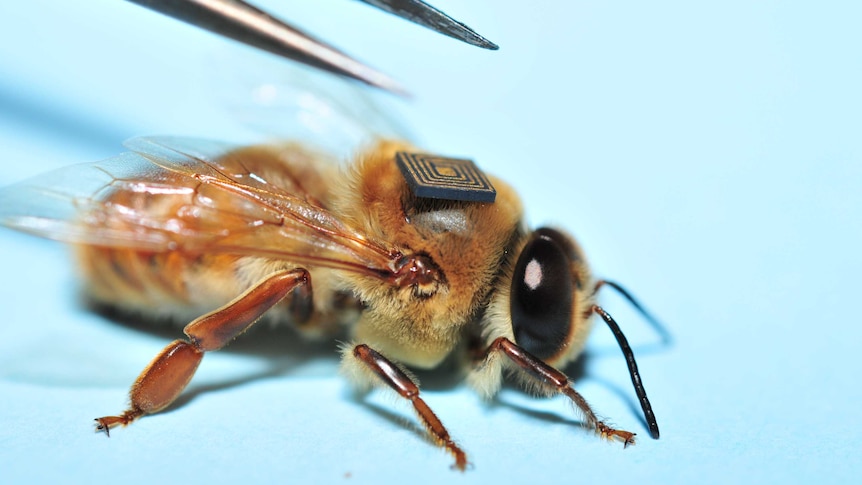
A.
x: 533, y: 274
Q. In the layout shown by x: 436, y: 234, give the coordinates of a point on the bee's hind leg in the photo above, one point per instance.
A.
x: 397, y: 379
x: 168, y: 374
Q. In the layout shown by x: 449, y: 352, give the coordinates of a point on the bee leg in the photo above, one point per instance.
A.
x: 398, y: 380
x: 168, y: 374
x: 555, y: 382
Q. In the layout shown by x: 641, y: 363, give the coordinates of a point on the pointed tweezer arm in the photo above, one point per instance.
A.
x: 244, y: 23
x: 426, y: 15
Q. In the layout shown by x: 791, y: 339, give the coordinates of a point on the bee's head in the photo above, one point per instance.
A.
x: 550, y: 301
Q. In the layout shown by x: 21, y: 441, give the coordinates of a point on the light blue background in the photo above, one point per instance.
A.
x: 706, y: 154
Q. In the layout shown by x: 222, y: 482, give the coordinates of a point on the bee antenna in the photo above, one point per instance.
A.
x: 660, y: 329
x: 649, y: 415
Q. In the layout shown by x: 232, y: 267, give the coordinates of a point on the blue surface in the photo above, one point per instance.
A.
x: 707, y: 156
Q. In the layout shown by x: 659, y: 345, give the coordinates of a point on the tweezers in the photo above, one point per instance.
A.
x: 242, y: 22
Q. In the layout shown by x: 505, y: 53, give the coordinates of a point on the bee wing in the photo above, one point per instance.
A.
x: 296, y: 102
x: 178, y: 194
x: 58, y: 204
x: 214, y: 158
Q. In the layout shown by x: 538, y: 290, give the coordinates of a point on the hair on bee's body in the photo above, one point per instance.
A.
x: 420, y: 326
x: 188, y: 229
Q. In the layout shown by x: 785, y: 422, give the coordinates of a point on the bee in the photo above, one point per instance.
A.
x: 222, y: 237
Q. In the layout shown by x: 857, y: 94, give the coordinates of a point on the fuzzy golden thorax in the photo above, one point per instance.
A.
x: 467, y: 241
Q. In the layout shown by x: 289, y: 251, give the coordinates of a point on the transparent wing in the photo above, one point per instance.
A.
x: 176, y: 194
x: 286, y: 101
x: 263, y: 168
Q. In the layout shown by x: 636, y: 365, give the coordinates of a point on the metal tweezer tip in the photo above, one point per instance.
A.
x: 426, y: 15
x: 244, y: 23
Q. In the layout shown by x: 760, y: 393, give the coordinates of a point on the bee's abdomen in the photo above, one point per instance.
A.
x: 158, y: 283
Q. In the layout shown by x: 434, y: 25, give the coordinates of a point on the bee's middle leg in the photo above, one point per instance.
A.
x: 168, y: 374
x: 398, y: 380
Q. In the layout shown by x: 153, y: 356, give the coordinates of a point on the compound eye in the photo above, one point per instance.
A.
x: 542, y: 296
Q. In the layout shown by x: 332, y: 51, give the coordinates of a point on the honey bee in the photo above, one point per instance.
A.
x: 221, y: 236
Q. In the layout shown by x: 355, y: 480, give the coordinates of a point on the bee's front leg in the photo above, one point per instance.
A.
x: 552, y: 381
x: 168, y: 374
x: 397, y: 379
